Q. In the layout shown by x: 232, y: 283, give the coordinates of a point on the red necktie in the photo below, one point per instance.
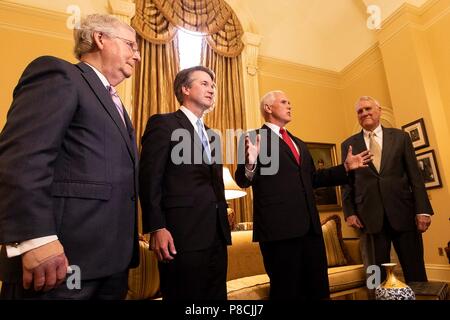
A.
x: 289, y: 142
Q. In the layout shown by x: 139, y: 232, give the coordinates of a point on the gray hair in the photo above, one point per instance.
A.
x: 84, y: 35
x: 268, y: 98
x: 367, y: 98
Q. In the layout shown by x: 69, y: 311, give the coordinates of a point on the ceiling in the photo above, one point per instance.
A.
x: 327, y: 34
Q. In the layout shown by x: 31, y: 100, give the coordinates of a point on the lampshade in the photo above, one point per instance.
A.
x: 232, y: 190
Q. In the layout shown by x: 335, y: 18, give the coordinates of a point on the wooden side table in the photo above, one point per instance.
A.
x: 431, y: 290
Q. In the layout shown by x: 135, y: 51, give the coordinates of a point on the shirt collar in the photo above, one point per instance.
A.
x: 191, y: 116
x: 100, y: 75
x: 273, y: 127
x: 378, y: 131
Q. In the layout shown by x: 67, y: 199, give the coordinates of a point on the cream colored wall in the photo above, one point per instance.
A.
x: 416, y: 66
x: 437, y: 36
x: 365, y: 76
x: 27, y: 34
x: 314, y: 94
x: 86, y: 6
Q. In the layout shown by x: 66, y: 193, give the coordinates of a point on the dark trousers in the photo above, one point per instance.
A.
x: 113, y: 287
x: 297, y: 268
x: 196, y: 275
x: 376, y: 249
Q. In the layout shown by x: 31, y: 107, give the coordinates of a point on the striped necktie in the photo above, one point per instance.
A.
x: 115, y: 97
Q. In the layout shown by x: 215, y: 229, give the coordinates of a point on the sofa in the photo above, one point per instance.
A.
x: 246, y: 277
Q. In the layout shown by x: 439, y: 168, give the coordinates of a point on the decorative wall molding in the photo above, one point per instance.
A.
x: 250, y: 78
x: 360, y: 66
x: 438, y: 272
x: 411, y: 16
x: 282, y: 69
x: 40, y: 22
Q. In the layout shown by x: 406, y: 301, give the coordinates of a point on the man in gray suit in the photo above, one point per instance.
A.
x: 387, y: 201
x: 68, y: 172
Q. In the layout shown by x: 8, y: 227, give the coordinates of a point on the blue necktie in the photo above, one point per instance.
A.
x: 203, y: 139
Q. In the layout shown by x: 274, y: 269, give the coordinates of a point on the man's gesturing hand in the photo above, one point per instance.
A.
x: 252, y: 151
x: 357, y: 161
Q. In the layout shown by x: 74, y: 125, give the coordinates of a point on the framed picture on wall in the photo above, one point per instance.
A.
x: 417, y: 133
x: 324, y: 156
x: 429, y: 169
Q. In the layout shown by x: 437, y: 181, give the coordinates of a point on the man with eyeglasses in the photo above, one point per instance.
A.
x: 68, y: 172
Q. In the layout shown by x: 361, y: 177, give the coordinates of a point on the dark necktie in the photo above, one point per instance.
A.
x: 117, y: 102
x: 290, y: 143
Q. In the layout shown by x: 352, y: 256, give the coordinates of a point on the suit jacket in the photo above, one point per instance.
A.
x: 284, y: 206
x: 186, y: 198
x: 397, y: 190
x: 68, y: 167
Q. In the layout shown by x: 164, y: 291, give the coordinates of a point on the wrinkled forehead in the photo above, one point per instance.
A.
x: 126, y: 31
x: 279, y: 96
x: 364, y: 104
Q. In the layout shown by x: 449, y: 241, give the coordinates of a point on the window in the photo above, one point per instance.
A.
x: 190, y: 46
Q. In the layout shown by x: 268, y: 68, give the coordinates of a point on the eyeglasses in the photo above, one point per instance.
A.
x: 131, y: 44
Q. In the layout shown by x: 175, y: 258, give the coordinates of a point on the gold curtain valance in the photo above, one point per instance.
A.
x: 151, y: 24
x: 157, y: 21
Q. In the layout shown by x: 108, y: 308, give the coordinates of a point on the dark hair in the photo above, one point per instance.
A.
x: 183, y: 79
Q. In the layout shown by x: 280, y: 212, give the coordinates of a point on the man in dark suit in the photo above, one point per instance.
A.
x: 68, y: 172
x: 286, y: 221
x: 387, y: 201
x: 182, y: 193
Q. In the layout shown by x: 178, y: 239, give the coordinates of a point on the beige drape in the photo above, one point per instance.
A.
x: 154, y: 82
x: 157, y: 22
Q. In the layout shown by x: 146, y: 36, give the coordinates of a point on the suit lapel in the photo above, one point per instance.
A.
x: 283, y: 146
x: 297, y: 142
x: 131, y: 133
x: 300, y: 146
x: 214, y: 140
x: 388, y: 141
x: 103, y: 96
x: 359, y: 145
x: 186, y: 124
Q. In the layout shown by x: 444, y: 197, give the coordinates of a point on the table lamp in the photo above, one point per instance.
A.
x: 232, y: 191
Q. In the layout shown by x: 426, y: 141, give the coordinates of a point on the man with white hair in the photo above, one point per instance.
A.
x: 68, y: 172
x: 286, y: 221
x: 387, y: 201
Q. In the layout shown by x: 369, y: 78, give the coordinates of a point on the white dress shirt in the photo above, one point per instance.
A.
x: 378, y: 137
x: 193, y: 120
